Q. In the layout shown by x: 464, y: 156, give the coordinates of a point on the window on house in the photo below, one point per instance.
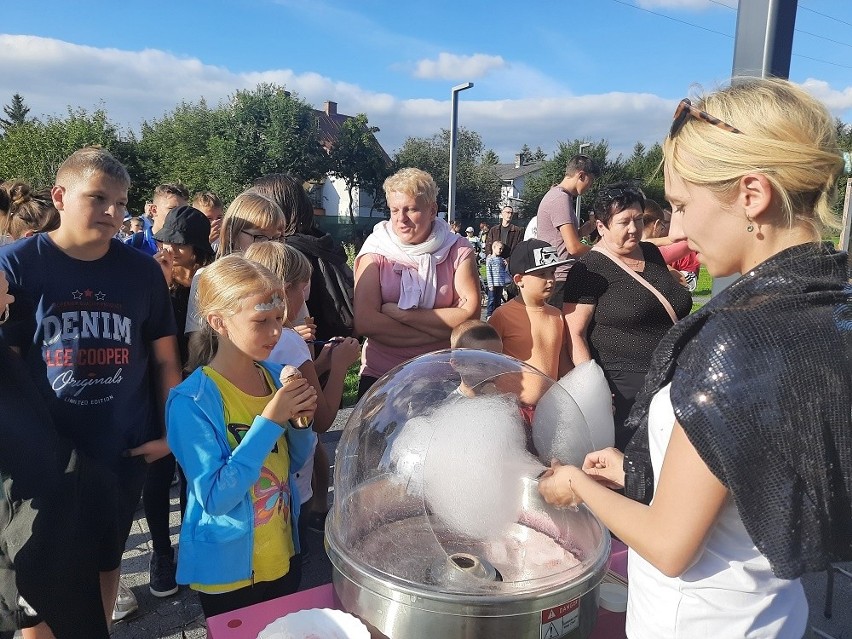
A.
x: 315, y: 194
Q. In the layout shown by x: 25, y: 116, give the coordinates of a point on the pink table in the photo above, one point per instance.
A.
x: 247, y: 622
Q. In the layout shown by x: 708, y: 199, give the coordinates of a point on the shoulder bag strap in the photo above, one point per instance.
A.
x: 666, y: 304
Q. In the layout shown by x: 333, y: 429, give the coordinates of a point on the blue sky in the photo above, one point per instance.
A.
x: 543, y: 70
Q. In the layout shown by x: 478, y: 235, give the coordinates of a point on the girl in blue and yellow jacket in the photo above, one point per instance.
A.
x: 230, y: 426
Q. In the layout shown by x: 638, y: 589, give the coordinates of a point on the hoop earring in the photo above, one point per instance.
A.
x: 750, y: 226
x: 5, y: 315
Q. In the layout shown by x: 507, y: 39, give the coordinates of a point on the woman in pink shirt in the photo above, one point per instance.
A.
x: 415, y: 280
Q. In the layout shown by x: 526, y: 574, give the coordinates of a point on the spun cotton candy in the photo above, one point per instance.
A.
x: 475, y: 465
x: 559, y: 429
x: 408, y: 450
x: 587, y: 385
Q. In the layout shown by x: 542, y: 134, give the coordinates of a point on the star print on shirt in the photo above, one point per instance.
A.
x: 100, y: 296
x: 78, y: 295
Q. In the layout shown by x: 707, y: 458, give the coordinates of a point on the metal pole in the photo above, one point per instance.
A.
x: 764, y: 40
x: 847, y: 218
x: 451, y: 199
x: 762, y: 48
x: 584, y: 145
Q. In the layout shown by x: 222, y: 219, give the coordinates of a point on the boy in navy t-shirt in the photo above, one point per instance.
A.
x: 107, y: 351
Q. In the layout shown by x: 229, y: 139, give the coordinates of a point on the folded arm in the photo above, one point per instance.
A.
x: 370, y: 321
x: 440, y: 322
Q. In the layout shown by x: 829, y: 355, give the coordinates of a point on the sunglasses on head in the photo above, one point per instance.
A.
x: 627, y: 192
x: 685, y: 110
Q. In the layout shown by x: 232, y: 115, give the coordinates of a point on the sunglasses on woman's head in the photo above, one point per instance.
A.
x: 685, y: 110
x: 617, y: 192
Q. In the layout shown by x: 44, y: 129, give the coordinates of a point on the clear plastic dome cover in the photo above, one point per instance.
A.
x: 436, y: 478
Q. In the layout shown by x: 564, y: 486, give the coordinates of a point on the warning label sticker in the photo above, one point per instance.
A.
x: 559, y: 621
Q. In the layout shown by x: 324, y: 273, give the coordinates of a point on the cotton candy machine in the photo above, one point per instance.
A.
x: 438, y: 529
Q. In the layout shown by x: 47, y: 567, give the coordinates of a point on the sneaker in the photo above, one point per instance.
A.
x: 316, y: 521
x: 161, y: 574
x: 125, y: 603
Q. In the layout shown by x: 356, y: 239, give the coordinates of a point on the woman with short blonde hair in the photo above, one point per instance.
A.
x: 414, y: 279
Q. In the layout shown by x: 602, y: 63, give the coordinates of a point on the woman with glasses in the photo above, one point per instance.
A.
x: 620, y: 299
x: 251, y: 218
x: 743, y: 452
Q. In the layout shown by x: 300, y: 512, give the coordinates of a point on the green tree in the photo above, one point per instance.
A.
x: 189, y: 145
x: 16, y: 112
x: 641, y: 169
x: 252, y: 133
x: 477, y: 184
x: 275, y: 132
x: 33, y: 150
x: 530, y: 157
x: 358, y: 159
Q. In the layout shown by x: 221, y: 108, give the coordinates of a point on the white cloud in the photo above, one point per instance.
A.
x: 837, y: 101
x: 136, y: 85
x: 450, y: 66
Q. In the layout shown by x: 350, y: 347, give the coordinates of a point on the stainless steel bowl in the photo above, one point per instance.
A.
x: 437, y: 531
x: 407, y: 580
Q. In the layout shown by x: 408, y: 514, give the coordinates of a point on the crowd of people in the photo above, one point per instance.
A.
x: 227, y: 357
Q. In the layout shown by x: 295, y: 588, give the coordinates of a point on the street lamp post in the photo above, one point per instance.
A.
x: 451, y: 203
x: 584, y: 145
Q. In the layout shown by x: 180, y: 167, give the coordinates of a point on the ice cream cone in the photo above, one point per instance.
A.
x: 289, y: 373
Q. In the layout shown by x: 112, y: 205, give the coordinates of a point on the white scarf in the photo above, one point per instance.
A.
x: 415, y: 262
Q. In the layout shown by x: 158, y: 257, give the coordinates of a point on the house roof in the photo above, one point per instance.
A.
x: 329, y: 122
x: 512, y: 172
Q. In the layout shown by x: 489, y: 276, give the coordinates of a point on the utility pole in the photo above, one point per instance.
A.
x: 451, y: 200
x: 762, y: 48
x: 584, y: 145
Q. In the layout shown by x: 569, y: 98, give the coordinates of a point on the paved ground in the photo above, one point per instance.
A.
x: 180, y: 617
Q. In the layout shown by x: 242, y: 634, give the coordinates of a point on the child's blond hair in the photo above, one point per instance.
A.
x: 222, y: 288
x: 88, y: 161
x: 285, y: 261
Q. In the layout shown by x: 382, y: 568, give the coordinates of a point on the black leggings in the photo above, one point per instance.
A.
x: 155, y: 498
x: 364, y: 384
x: 624, y: 386
x: 263, y: 591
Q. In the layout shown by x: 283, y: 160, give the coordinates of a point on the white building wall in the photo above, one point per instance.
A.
x: 336, y: 200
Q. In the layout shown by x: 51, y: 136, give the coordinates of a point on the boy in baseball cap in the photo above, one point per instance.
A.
x: 533, y: 331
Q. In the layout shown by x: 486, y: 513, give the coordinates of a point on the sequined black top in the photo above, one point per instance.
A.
x: 762, y: 385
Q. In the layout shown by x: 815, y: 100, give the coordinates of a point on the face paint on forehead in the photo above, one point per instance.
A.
x: 275, y: 302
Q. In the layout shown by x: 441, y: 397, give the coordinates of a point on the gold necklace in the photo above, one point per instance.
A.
x: 263, y: 379
x: 633, y: 263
